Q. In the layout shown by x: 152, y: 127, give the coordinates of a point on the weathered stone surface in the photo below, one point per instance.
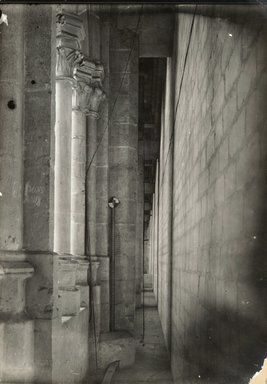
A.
x: 42, y: 288
x: 11, y: 148
x: 12, y: 282
x: 123, y: 170
x: 17, y: 350
x: 117, y: 346
x: 205, y: 232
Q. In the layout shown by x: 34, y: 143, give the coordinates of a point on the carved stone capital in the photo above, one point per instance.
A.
x: 81, y: 96
x: 88, y: 92
x: 67, y: 60
x: 85, y: 71
x: 70, y: 31
x: 98, y: 75
x: 97, y: 97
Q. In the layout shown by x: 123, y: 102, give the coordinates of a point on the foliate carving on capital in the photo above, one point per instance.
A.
x: 97, y: 97
x: 85, y: 71
x: 98, y: 75
x: 88, y: 93
x: 67, y: 60
x: 81, y: 96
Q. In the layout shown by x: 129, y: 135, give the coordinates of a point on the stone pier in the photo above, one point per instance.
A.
x: 123, y: 141
x: 70, y: 33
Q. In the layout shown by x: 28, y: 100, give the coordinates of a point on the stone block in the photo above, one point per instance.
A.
x: 123, y: 183
x: 121, y: 39
x: 124, y: 135
x: 102, y: 236
x: 17, y: 350
x: 70, y: 349
x: 40, y: 56
x: 122, y: 61
x: 14, y: 274
x: 117, y: 346
x: 42, y: 288
x: 12, y: 43
x: 69, y: 301
x: 67, y: 271
x: 82, y: 271
x: 125, y: 110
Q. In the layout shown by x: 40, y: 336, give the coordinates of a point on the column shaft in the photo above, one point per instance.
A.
x: 123, y: 143
x: 102, y: 209
x: 91, y: 184
x: 78, y: 150
x: 63, y: 165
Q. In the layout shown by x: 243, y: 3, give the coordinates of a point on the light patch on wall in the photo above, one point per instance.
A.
x: 261, y: 376
x: 3, y: 18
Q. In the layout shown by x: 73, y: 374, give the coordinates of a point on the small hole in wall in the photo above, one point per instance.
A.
x: 11, y: 104
x: 33, y: 82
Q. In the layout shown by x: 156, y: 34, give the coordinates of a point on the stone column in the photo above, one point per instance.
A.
x: 123, y: 143
x: 97, y: 96
x: 139, y: 225
x: 102, y: 209
x: 156, y: 232
x: 69, y: 35
x: 82, y: 92
x: 16, y: 328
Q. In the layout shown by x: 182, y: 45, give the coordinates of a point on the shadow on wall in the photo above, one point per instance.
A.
x: 228, y: 345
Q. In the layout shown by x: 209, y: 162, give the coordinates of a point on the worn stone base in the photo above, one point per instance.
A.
x: 16, y: 350
x: 119, y: 345
x: 61, y: 349
x: 70, y: 301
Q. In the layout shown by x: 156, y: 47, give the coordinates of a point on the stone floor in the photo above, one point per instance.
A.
x: 152, y: 362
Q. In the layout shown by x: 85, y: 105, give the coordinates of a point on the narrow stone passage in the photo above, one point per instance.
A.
x: 151, y: 362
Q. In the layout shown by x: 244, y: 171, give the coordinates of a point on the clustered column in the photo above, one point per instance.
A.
x: 70, y: 33
x: 82, y: 92
x: 97, y: 96
x: 78, y: 96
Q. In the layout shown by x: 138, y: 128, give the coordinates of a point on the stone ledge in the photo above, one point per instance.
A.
x: 13, y: 275
x: 16, y: 267
x: 65, y: 319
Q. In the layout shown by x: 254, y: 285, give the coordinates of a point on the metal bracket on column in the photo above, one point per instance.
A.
x: 112, y: 203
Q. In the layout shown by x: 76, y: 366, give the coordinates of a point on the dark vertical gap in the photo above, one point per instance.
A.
x: 157, y: 234
x: 152, y: 73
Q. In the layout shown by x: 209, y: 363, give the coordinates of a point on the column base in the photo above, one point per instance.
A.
x: 69, y: 294
x: 16, y: 329
x: 17, y: 350
x: 82, y: 279
x: 69, y: 299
